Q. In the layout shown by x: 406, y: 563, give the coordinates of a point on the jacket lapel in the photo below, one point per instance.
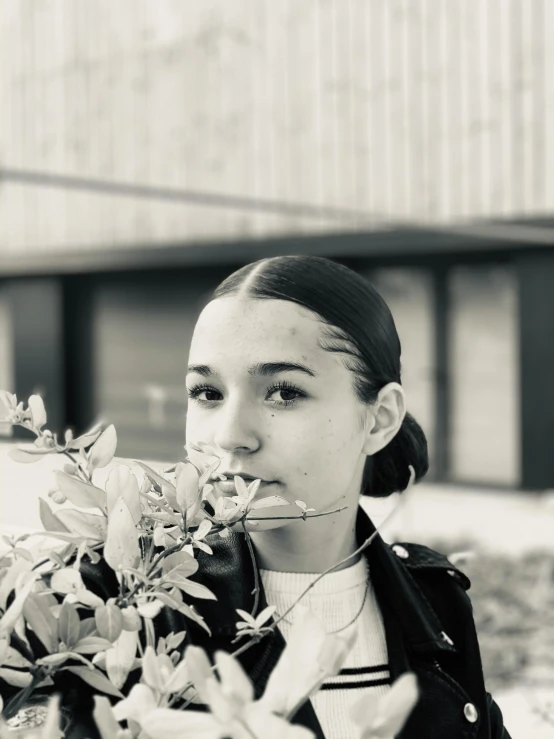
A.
x: 411, y: 624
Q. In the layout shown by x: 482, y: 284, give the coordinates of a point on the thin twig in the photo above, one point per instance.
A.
x: 293, y: 518
x: 176, y: 548
x: 19, y: 699
x: 255, y: 566
x: 270, y: 629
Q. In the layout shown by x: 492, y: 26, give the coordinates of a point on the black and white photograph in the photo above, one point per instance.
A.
x: 277, y: 369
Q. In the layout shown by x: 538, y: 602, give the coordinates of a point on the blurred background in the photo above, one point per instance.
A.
x: 148, y: 149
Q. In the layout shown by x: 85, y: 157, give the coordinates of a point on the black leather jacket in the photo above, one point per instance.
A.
x: 428, y: 622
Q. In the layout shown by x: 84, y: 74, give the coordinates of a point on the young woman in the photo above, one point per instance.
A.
x: 294, y: 378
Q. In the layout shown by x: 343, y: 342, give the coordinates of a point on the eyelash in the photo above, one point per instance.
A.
x: 195, y: 391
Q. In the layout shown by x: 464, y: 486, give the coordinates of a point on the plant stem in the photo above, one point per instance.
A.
x: 150, y: 633
x: 292, y: 518
x: 360, y: 549
x: 162, y: 555
x: 79, y: 466
x: 255, y: 566
x: 19, y: 700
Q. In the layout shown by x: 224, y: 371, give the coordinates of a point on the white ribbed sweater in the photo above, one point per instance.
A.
x: 335, y: 600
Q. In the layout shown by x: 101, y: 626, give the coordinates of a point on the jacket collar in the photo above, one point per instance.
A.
x: 229, y: 573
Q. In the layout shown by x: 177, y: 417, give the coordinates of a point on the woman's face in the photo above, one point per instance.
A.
x: 298, y: 429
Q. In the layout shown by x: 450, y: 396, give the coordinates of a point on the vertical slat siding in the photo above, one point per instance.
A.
x: 425, y: 110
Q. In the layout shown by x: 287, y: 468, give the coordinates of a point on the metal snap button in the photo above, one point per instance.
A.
x: 451, y: 572
x: 400, y: 551
x: 470, y: 712
x: 447, y: 639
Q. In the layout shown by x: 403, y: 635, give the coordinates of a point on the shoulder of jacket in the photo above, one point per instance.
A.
x: 419, y: 558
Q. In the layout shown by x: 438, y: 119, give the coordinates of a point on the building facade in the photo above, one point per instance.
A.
x: 148, y: 149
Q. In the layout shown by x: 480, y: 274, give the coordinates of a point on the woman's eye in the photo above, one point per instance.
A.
x: 285, y: 391
x: 286, y: 396
x: 195, y: 393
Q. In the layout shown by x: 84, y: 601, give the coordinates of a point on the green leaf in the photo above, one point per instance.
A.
x: 131, y: 619
x: 66, y: 581
x: 56, y: 559
x: 15, y: 677
x: 14, y: 659
x: 189, y: 497
x: 12, y: 614
x: 88, y: 598
x: 208, y: 473
x: 69, y: 625
x: 80, y: 493
x: 88, y: 438
x: 40, y: 618
x: 49, y: 520
x: 96, y: 679
x: 151, y: 673
x: 92, y: 645
x: 168, y: 490
x: 103, y: 449
x: 104, y: 718
x: 181, y: 563
x: 25, y: 553
x: 174, y: 640
x: 54, y: 660
x: 273, y: 500
x: 166, y: 599
x: 122, y: 482
x: 87, y: 525
x: 121, y: 657
x: 87, y: 627
x: 191, y: 588
x: 122, y: 542
x: 109, y: 622
x: 183, y: 608
x: 28, y: 455
x: 38, y: 412
x: 8, y: 399
x: 70, y: 538
x: 9, y: 579
x: 61, y: 657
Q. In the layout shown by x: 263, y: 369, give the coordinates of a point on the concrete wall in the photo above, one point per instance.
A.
x: 394, y: 109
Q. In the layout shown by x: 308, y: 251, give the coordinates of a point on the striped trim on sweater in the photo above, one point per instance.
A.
x: 335, y: 600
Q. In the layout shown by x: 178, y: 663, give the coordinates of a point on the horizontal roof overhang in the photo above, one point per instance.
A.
x: 383, y: 243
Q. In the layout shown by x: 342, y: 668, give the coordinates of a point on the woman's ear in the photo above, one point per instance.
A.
x: 385, y: 418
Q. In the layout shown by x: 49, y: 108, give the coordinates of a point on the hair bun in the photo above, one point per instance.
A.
x: 389, y: 469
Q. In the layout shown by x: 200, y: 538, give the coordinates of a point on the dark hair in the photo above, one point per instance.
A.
x: 358, y: 324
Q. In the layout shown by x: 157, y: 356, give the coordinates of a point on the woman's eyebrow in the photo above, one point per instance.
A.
x: 263, y: 369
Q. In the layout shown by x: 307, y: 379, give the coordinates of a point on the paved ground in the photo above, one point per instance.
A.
x: 500, y: 521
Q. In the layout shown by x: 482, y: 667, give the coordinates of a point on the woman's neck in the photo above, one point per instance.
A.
x: 307, y: 546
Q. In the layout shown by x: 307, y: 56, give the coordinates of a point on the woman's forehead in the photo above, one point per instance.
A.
x: 234, y: 328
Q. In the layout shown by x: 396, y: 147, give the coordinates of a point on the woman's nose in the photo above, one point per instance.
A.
x: 236, y: 428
